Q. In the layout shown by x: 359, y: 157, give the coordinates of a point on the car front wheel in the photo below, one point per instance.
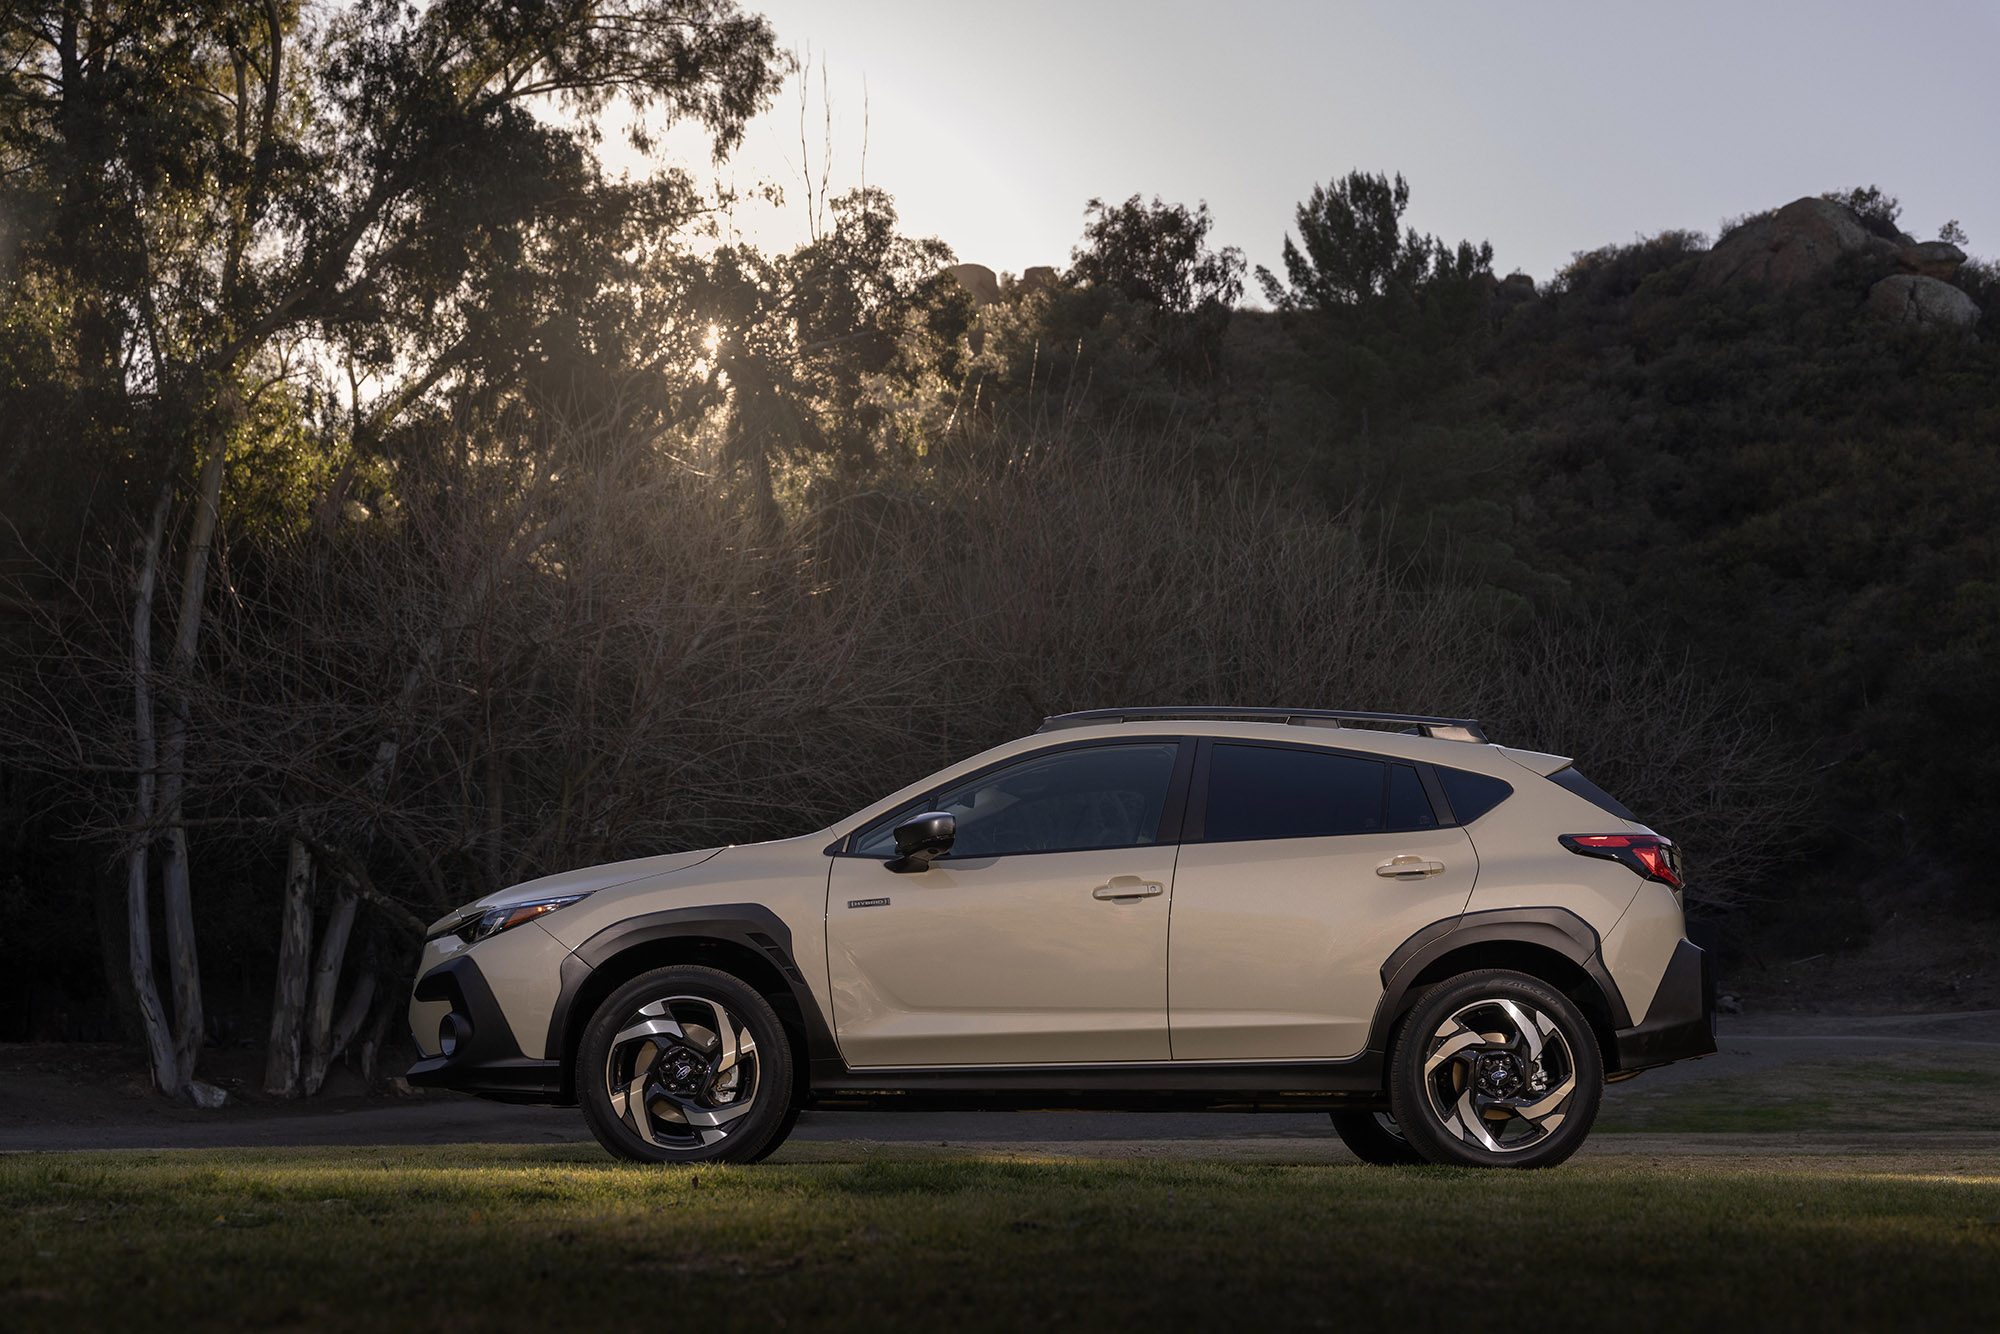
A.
x: 686, y: 1065
x: 1495, y: 1069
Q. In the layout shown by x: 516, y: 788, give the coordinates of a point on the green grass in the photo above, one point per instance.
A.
x: 1928, y: 1088
x: 521, y: 1238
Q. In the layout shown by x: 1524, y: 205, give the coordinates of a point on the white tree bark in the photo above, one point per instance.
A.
x: 326, y: 978
x: 184, y: 963
x: 360, y: 997
x: 138, y: 909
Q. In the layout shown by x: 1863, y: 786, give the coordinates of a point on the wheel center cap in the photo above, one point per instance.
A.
x: 680, y: 1072
x: 1497, y: 1075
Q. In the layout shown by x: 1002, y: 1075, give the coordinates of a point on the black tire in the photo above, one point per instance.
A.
x: 784, y: 1131
x: 675, y: 1079
x: 1525, y: 1100
x: 1374, y: 1137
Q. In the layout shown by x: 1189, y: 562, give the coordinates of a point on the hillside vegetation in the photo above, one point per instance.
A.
x: 398, y: 504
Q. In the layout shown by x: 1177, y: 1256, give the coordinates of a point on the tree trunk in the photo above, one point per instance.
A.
x: 177, y: 900
x: 371, y: 1046
x: 359, y: 998
x: 326, y: 977
x: 288, y: 998
x: 138, y: 909
x: 139, y: 927
x: 183, y: 963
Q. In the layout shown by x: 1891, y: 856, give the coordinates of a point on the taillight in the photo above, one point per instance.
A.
x: 1648, y: 855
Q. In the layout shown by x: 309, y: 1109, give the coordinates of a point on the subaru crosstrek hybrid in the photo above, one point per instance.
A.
x: 1449, y: 945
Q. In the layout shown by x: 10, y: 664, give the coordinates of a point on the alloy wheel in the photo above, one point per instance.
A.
x: 682, y: 1071
x: 1500, y: 1075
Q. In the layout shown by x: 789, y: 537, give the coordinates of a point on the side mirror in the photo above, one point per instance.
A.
x: 921, y: 839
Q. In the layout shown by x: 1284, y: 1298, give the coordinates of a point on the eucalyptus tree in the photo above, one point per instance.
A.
x: 209, y: 207
x: 828, y: 354
x: 1389, y: 314
x: 1156, y: 257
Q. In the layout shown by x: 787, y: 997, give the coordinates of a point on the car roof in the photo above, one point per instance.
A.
x: 1447, y: 729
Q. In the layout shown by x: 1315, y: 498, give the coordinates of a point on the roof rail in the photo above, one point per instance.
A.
x: 1445, y: 729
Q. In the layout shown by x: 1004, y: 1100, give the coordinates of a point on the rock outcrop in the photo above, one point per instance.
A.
x: 1932, y: 259
x: 1915, y: 298
x: 1801, y: 239
x: 985, y: 286
x: 980, y: 281
x: 1039, y: 278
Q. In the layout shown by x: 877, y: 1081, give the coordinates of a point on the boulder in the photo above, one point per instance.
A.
x: 206, y: 1096
x: 980, y: 281
x: 1933, y: 259
x: 1040, y: 278
x: 1914, y: 298
x: 1799, y: 240
x: 1510, y: 294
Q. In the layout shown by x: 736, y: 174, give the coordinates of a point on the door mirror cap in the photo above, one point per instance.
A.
x: 922, y: 838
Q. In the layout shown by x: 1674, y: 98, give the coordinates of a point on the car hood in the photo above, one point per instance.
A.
x: 583, y: 881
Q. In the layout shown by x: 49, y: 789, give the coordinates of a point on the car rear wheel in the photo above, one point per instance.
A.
x: 686, y: 1065
x: 1374, y: 1137
x: 1495, y: 1069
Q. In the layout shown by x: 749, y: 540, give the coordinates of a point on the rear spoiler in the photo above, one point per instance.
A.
x: 1536, y: 761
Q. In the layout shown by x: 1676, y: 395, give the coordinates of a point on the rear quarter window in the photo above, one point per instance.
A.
x: 1471, y: 794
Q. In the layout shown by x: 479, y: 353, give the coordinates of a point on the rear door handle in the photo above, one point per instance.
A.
x: 1407, y: 867
x: 1128, y: 887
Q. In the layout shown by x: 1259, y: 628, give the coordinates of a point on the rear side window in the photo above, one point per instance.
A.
x: 1409, y: 804
x: 1259, y: 792
x: 1472, y: 795
x: 1591, y: 792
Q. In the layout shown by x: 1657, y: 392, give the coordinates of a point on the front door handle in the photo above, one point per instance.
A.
x: 1407, y: 867
x: 1128, y: 887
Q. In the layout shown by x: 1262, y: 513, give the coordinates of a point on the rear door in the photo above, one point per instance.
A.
x: 1301, y: 869
x: 1041, y: 938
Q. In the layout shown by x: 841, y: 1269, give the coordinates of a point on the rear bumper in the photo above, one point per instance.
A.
x: 483, y: 1058
x: 1680, y: 1023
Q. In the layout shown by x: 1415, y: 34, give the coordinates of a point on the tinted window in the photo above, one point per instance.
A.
x: 1094, y: 797
x: 1591, y: 792
x: 1472, y: 795
x: 1265, y: 792
x: 1409, y: 804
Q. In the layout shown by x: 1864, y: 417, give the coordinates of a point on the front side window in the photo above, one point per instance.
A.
x: 1065, y: 801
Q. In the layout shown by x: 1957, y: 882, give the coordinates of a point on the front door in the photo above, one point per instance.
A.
x: 1310, y: 867
x: 1040, y: 939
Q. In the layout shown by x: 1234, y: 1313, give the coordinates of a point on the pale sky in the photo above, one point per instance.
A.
x: 1546, y: 128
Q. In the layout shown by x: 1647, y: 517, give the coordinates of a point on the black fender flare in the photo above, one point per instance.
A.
x: 748, y: 925
x: 1555, y: 929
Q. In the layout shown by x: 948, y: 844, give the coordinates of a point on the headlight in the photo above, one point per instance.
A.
x: 477, y: 924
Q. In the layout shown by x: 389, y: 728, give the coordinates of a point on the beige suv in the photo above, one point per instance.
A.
x: 1448, y: 945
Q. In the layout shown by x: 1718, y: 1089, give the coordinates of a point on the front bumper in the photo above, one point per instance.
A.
x: 1680, y: 1023
x: 483, y: 1057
